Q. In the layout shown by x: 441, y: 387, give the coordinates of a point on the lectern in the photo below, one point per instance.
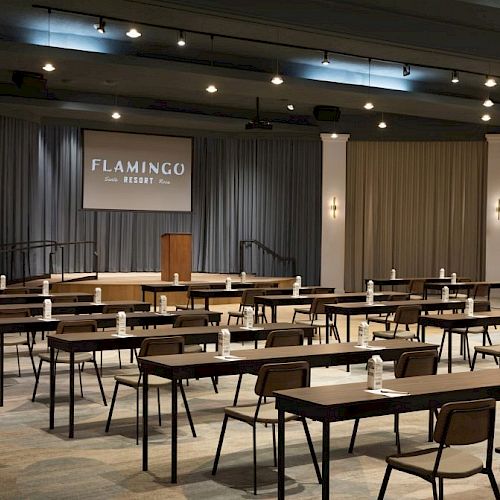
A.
x: 176, y: 249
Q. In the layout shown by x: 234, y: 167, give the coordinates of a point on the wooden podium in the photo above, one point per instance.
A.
x: 176, y: 249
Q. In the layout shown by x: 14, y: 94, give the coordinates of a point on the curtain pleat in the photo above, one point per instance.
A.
x: 415, y: 207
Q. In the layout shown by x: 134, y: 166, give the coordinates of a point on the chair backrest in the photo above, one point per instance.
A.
x: 417, y: 363
x: 283, y: 338
x: 80, y: 326
x: 417, y: 286
x: 281, y: 376
x: 318, y: 305
x: 249, y: 294
x: 161, y: 346
x: 481, y: 290
x: 465, y: 422
x: 64, y: 298
x: 407, y: 315
x: 113, y: 309
x: 321, y: 289
x: 482, y: 306
x: 199, y: 287
x: 15, y: 313
x: 190, y: 320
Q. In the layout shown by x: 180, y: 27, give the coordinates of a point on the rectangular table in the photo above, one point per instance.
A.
x: 380, y: 282
x: 105, y: 341
x: 459, y: 285
x: 182, y: 366
x: 350, y: 401
x: 31, y: 324
x: 36, y: 298
x: 77, y: 307
x: 21, y: 289
x: 448, y: 322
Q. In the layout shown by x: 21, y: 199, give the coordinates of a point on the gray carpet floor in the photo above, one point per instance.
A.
x: 38, y: 463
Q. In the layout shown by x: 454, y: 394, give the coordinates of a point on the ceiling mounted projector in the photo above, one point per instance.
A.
x: 257, y: 122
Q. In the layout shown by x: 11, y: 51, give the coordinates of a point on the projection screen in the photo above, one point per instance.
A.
x: 125, y: 171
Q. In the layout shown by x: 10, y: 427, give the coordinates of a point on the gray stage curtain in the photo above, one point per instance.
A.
x: 415, y: 206
x: 264, y: 189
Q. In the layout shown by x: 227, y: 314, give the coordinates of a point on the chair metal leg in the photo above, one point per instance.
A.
x: 274, y: 446
x: 30, y: 350
x: 311, y: 449
x: 37, y: 378
x: 254, y: 440
x: 441, y: 488
x: 219, y: 446
x: 159, y: 407
x: 188, y: 411
x: 473, y: 364
x: 119, y: 359
x: 494, y: 484
x: 18, y: 362
x: 442, y: 344
x: 434, y: 490
x: 80, y: 378
x: 111, y: 408
x: 137, y: 416
x: 214, y: 383
x: 383, y: 487
x: 99, y: 381
x: 396, y: 430
x: 353, y: 435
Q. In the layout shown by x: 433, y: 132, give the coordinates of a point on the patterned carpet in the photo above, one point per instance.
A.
x: 36, y: 463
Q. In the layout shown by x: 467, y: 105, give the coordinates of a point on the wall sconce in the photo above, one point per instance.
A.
x: 333, y: 208
x: 498, y: 209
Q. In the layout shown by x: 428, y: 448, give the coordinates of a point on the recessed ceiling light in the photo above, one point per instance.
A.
x: 368, y: 105
x: 100, y: 26
x: 382, y: 124
x: 454, y: 76
x: 115, y: 115
x: 290, y: 106
x: 334, y: 135
x: 277, y: 80
x: 133, y: 33
x: 488, y: 103
x: 486, y: 117
x: 48, y: 67
x: 181, y: 41
x: 490, y: 82
x: 325, y: 61
x: 211, y: 89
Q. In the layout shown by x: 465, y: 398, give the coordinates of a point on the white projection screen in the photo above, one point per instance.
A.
x: 125, y: 171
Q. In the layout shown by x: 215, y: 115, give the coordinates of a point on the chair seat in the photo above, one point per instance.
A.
x: 401, y: 334
x: 132, y: 380
x: 378, y: 319
x: 302, y: 310
x: 267, y: 413
x: 317, y: 322
x: 10, y: 341
x: 493, y: 350
x: 63, y: 357
x: 189, y: 308
x: 454, y: 463
x: 472, y: 329
x: 193, y: 348
x: 241, y: 314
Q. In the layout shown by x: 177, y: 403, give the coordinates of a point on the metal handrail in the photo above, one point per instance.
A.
x: 259, y: 244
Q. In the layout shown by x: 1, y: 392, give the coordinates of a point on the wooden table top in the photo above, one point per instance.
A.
x: 78, y: 307
x: 447, y: 321
x: 404, y: 281
x: 461, y: 284
x: 276, y: 299
x: 168, y: 286
x: 34, y: 298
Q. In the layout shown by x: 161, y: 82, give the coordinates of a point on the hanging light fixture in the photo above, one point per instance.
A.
x: 369, y: 104
x: 133, y: 33
x: 325, y: 61
x: 486, y: 117
x: 382, y: 123
x: 48, y: 66
x: 334, y: 135
x: 100, y: 26
x: 211, y: 89
x: 181, y: 41
x: 290, y: 106
x: 490, y: 81
x: 277, y: 79
x: 488, y: 103
x: 454, y: 76
x: 116, y: 115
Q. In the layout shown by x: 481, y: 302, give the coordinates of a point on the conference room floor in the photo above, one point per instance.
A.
x: 36, y: 463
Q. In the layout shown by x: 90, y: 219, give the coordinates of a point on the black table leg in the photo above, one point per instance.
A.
x: 281, y: 455
x: 1, y: 367
x: 143, y: 295
x: 423, y: 333
x: 145, y: 387
x: 52, y: 387
x: 154, y: 301
x: 449, y: 350
x: 273, y: 314
x: 207, y: 303
x: 327, y: 328
x: 71, y: 394
x: 174, y: 430
x: 326, y: 461
x: 348, y: 334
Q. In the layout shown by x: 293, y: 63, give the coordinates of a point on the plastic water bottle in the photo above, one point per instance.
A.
x: 163, y: 304
x: 121, y: 322
x: 248, y: 317
x: 3, y: 282
x: 453, y: 278
x: 45, y: 288
x: 393, y: 274
x: 445, y: 294
x: 363, y: 331
x: 47, y: 309
x: 97, y: 296
x: 369, y: 296
x: 441, y: 273
x: 224, y: 342
x: 469, y: 307
x: 176, y: 279
x: 375, y: 370
x: 296, y: 289
x: 298, y: 279
x: 243, y: 276
x: 370, y: 285
x: 228, y: 283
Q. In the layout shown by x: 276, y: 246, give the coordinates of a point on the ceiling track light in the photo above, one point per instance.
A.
x: 490, y: 82
x: 454, y: 76
x: 181, y: 41
x: 325, y: 61
x: 100, y: 26
x: 133, y: 33
x: 406, y: 70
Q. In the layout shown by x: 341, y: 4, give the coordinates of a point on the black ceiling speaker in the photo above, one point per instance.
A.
x: 326, y: 113
x: 257, y: 122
